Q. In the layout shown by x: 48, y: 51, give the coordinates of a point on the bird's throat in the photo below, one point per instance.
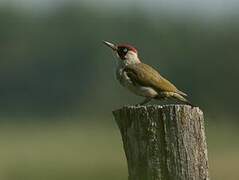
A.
x: 128, y: 61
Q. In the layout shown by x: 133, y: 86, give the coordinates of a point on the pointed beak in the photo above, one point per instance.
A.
x: 112, y: 46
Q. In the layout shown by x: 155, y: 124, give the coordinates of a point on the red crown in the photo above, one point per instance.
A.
x: 131, y: 48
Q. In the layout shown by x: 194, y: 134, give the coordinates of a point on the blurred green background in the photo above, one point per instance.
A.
x: 58, y: 86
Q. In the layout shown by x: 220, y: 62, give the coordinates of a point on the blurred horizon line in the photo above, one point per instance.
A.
x: 211, y: 9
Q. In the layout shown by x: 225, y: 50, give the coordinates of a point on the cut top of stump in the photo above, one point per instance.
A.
x: 165, y: 108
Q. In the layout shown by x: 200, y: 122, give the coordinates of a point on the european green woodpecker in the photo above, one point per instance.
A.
x: 142, y: 79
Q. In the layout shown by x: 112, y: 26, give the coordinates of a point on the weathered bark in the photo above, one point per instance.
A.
x: 164, y: 142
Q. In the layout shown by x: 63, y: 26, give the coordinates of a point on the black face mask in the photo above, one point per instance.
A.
x: 122, y: 51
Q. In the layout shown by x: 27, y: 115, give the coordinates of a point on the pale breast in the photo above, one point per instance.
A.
x: 133, y: 87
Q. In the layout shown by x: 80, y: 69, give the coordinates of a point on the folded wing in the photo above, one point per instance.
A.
x: 144, y: 75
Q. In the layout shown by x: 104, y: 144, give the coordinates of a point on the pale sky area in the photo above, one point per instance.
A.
x: 211, y: 7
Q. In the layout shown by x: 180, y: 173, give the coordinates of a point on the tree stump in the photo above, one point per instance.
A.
x: 164, y: 142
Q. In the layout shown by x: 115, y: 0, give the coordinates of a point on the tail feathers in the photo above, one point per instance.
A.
x: 182, y: 99
x: 181, y: 93
x: 175, y: 96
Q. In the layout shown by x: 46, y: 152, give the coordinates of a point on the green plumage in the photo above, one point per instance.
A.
x: 142, y: 79
x: 144, y: 75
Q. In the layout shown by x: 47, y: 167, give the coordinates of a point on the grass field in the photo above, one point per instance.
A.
x: 64, y: 149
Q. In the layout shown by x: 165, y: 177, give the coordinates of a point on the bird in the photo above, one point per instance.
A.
x: 142, y: 79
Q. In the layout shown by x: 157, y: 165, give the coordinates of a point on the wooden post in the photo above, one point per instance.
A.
x: 164, y: 142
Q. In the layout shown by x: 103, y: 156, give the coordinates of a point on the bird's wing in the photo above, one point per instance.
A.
x: 144, y: 75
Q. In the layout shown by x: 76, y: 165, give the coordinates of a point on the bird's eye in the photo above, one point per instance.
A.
x: 125, y: 50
